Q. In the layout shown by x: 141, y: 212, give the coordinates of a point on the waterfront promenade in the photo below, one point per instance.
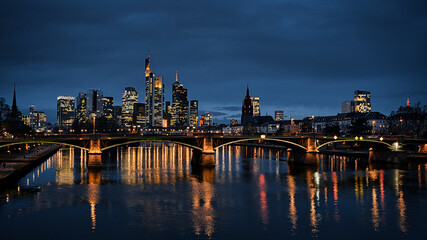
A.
x: 13, y: 167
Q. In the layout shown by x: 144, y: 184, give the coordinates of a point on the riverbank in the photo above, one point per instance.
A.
x: 12, y: 168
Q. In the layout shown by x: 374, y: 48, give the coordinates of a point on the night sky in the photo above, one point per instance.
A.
x: 303, y: 57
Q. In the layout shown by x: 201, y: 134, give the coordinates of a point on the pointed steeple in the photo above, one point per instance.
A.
x: 247, y: 91
x: 14, y: 113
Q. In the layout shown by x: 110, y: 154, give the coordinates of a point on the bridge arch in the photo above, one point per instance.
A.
x: 152, y: 140
x: 263, y: 139
x: 353, y: 140
x: 48, y: 142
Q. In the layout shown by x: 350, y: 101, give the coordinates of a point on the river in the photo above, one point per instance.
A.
x: 151, y: 191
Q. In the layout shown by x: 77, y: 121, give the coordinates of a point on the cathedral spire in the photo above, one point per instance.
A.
x: 14, y: 113
x: 247, y: 90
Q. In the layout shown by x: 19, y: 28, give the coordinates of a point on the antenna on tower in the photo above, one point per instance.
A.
x: 176, y: 76
x: 148, y: 53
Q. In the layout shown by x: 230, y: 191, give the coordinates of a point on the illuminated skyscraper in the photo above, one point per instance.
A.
x: 107, y: 107
x: 179, y: 105
x: 65, y: 111
x: 154, y: 96
x: 168, y: 113
x: 255, y: 106
x: 278, y: 115
x: 362, y: 101
x: 139, y: 116
x: 247, y: 107
x: 36, y: 119
x: 194, y: 112
x: 129, y: 98
x: 82, y: 108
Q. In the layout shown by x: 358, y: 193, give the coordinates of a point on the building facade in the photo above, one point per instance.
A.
x: 65, y: 111
x: 94, y: 102
x: 347, y: 107
x: 154, y: 96
x: 179, y: 105
x: 255, y: 106
x: 278, y: 116
x: 129, y: 98
x: 362, y: 101
x: 194, y: 113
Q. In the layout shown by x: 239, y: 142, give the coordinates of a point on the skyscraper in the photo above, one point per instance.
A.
x: 278, y: 115
x: 107, y: 107
x: 82, y: 115
x: 129, y: 98
x: 255, y: 106
x: 94, y: 102
x: 247, y: 107
x: 179, y: 104
x: 194, y: 112
x: 139, y: 116
x: 154, y: 95
x: 65, y: 111
x: 362, y: 101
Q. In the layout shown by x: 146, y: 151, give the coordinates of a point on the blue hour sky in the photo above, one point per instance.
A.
x: 303, y: 57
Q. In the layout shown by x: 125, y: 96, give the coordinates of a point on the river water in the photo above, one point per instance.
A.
x: 151, y: 191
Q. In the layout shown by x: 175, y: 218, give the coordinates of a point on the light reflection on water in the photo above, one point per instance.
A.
x: 152, y: 190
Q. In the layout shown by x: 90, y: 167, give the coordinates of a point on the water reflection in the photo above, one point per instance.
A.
x: 93, y: 192
x: 153, y: 186
x: 202, y: 192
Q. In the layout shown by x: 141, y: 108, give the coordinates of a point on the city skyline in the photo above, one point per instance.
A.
x: 304, y: 58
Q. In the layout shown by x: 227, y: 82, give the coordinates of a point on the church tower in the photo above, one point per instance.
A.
x: 247, y: 107
x: 14, y: 113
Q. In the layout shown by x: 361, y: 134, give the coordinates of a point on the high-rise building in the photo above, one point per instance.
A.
x: 168, y: 113
x: 154, y: 96
x: 107, y: 107
x: 208, y: 119
x: 247, y: 107
x: 117, y: 114
x: 194, y: 112
x: 65, y: 111
x: 278, y: 115
x: 362, y: 101
x: 82, y: 113
x: 94, y: 102
x: 179, y: 105
x: 347, y: 107
x: 38, y: 121
x: 129, y: 98
x: 139, y: 116
x: 255, y: 106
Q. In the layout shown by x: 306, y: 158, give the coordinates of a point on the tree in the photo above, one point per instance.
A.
x: 332, y: 130
x: 409, y: 121
x: 358, y: 127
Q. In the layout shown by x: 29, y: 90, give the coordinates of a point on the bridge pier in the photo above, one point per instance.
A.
x: 204, y: 158
x: 384, y: 156
x: 95, y: 154
x: 423, y: 148
x: 301, y: 157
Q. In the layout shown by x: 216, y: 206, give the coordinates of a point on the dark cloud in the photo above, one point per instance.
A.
x: 303, y: 57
